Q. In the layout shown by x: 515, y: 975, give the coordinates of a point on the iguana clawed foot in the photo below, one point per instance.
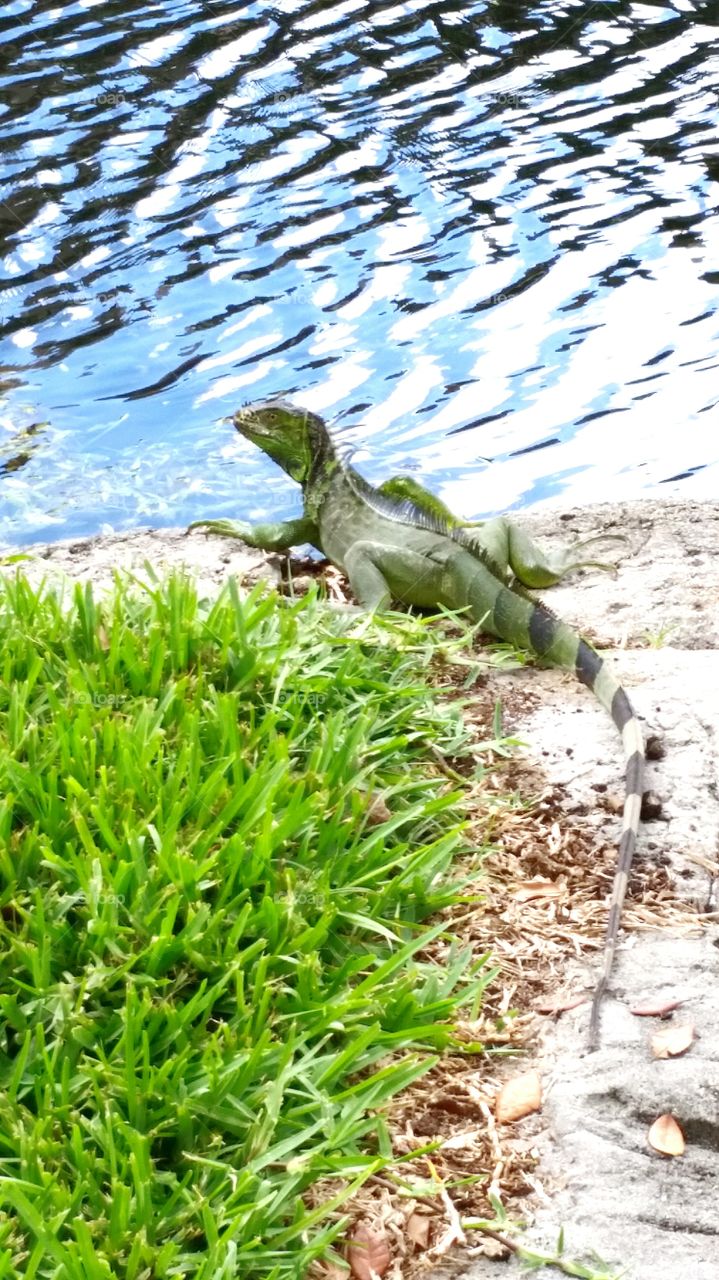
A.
x: 225, y: 528
x: 566, y: 561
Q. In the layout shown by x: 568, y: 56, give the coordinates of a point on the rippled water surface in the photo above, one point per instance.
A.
x: 481, y: 238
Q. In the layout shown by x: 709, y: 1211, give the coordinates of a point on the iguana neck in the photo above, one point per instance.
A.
x: 324, y: 465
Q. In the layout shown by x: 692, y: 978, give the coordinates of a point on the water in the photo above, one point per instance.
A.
x: 480, y: 238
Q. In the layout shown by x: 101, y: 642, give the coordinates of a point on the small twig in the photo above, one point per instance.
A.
x: 536, y: 1259
x: 497, y: 1235
x: 455, y: 1232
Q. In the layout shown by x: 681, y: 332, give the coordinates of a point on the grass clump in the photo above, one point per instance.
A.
x: 209, y: 935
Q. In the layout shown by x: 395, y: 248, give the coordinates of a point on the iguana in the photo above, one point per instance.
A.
x: 399, y: 542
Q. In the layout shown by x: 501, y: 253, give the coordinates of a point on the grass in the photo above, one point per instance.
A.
x: 220, y: 838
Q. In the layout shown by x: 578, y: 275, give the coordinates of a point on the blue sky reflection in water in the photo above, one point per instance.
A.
x: 461, y: 231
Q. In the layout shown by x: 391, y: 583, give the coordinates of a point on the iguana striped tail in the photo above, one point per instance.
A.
x: 516, y: 617
x: 598, y: 676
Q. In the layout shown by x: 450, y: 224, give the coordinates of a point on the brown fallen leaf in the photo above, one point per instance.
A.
x: 418, y: 1230
x: 368, y: 1253
x: 377, y: 810
x: 560, y: 1005
x: 671, y: 1041
x: 461, y: 1141
x: 538, y: 887
x: 666, y: 1137
x: 656, y: 1010
x: 519, y: 1097
x: 332, y: 1272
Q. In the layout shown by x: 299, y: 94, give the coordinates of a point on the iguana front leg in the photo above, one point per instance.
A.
x: 511, y: 548
x: 267, y: 537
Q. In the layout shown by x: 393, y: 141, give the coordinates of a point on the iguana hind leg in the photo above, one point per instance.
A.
x: 511, y: 548
x: 379, y: 574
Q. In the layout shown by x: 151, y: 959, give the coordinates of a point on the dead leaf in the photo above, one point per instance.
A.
x: 332, y: 1272
x: 418, y: 1230
x: 462, y: 1141
x: 537, y: 887
x: 560, y: 1005
x: 519, y: 1097
x: 377, y: 810
x: 368, y: 1253
x: 656, y: 1010
x: 666, y: 1137
x: 554, y: 838
x: 671, y: 1041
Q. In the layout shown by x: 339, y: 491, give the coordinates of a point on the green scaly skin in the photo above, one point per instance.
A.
x: 401, y: 543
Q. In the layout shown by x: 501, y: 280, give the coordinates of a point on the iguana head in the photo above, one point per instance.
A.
x: 292, y: 437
